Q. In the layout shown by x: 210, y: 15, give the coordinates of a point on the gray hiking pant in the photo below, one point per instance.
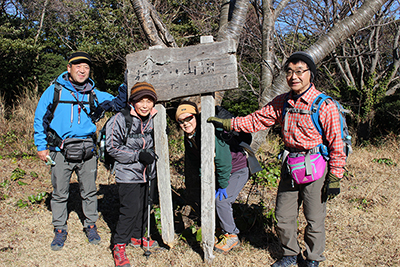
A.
x: 290, y: 197
x: 224, y: 209
x: 60, y: 179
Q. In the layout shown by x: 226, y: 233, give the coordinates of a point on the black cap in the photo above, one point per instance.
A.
x: 306, y: 58
x: 79, y: 57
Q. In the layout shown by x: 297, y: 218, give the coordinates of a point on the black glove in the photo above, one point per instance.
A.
x: 332, y: 186
x: 146, y: 158
x: 220, y: 123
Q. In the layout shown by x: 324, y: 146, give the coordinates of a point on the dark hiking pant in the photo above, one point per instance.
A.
x: 289, y: 199
x: 132, y: 220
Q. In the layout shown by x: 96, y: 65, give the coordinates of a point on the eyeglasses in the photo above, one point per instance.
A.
x: 298, y: 73
x: 187, y: 119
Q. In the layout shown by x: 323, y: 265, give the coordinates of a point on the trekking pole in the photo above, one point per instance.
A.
x: 147, y: 253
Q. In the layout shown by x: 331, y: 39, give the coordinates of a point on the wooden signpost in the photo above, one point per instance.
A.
x: 181, y: 72
x: 187, y: 71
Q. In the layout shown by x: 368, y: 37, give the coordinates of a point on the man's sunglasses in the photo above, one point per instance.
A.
x: 187, y: 119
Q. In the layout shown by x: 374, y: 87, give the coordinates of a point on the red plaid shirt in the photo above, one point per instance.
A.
x: 301, y: 132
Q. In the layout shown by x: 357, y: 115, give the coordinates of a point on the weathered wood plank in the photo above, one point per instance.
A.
x: 207, y: 178
x: 163, y: 175
x: 186, y: 71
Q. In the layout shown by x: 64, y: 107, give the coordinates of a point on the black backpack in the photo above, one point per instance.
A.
x: 104, y: 157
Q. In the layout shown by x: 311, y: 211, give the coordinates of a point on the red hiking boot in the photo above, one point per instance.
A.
x: 120, y: 258
x: 137, y: 243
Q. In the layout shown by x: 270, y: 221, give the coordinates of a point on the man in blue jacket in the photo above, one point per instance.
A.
x: 64, y: 138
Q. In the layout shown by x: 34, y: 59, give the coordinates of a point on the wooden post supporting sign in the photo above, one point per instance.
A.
x: 164, y: 175
x: 207, y: 178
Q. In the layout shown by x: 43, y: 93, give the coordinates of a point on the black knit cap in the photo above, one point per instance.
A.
x: 79, y: 57
x: 306, y: 58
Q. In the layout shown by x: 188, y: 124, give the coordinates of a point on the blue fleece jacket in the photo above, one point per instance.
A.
x: 67, y: 120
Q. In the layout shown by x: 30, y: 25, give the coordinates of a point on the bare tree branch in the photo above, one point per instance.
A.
x: 41, y: 21
x: 152, y: 25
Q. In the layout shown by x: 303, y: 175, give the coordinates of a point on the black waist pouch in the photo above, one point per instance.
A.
x: 78, y: 150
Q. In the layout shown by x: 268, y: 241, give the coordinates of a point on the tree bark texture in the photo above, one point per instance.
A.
x: 164, y: 175
x: 234, y: 27
x: 207, y: 178
x: 152, y: 25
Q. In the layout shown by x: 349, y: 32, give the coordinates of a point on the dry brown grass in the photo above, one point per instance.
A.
x: 3, y: 121
x: 362, y: 223
x: 17, y: 131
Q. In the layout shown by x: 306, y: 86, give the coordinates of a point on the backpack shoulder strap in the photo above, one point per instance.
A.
x: 128, y: 122
x: 93, y: 100
x: 315, y: 107
x: 287, y: 109
x: 56, y: 99
x: 285, y: 105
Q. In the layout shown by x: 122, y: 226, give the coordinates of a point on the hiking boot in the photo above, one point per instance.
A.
x: 218, y: 235
x: 137, y: 243
x: 92, y: 235
x: 119, y: 254
x: 286, y: 261
x: 59, y: 239
x: 227, y: 242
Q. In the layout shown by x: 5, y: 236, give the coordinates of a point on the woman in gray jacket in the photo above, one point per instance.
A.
x: 134, y: 166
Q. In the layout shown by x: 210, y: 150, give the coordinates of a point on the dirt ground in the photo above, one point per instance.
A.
x: 362, y: 225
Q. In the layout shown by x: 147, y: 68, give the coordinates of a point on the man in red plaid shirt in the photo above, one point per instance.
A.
x: 300, y: 137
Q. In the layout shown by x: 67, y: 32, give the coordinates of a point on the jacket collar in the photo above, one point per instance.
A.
x: 63, y: 80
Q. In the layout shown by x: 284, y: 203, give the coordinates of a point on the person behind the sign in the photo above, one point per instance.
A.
x: 72, y: 122
x: 230, y: 170
x: 134, y: 169
x: 300, y: 137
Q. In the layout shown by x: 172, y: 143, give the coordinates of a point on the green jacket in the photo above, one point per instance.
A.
x: 222, y: 159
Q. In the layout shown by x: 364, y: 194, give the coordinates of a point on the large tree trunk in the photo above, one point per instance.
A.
x: 268, y: 50
x: 233, y: 28
x: 396, y: 62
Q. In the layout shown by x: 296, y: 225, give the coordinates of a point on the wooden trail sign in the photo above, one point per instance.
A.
x: 186, y: 71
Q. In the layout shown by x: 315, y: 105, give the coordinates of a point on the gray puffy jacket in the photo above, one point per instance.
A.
x: 128, y: 169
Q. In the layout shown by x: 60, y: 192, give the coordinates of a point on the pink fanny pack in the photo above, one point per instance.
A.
x: 307, y: 168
